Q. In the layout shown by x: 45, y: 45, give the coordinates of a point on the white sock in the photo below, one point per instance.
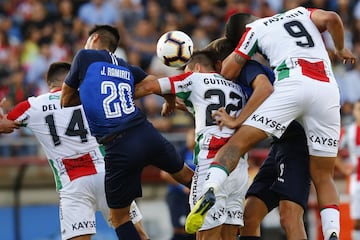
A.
x: 330, y: 221
x: 356, y: 235
x: 215, y: 177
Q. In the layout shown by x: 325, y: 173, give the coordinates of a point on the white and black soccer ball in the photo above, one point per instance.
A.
x: 174, y: 48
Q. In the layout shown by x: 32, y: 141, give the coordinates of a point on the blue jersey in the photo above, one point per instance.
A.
x: 106, y: 85
x: 248, y: 74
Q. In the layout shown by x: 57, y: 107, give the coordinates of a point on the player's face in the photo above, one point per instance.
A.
x: 356, y: 111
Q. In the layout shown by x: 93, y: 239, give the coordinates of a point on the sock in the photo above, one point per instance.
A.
x: 249, y: 238
x: 356, y: 234
x: 127, y: 231
x: 216, y: 176
x: 330, y: 220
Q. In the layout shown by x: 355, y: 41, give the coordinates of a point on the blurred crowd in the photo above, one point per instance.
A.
x: 35, y: 33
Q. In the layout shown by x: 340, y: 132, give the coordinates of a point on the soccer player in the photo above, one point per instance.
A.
x: 76, y: 159
x: 105, y: 85
x: 351, y: 140
x: 284, y: 179
x: 204, y: 91
x: 8, y: 126
x: 292, y: 43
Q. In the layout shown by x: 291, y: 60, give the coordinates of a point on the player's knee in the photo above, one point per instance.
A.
x: 119, y: 216
x: 289, y: 220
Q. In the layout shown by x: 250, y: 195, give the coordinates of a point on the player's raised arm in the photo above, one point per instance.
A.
x: 149, y: 85
x: 331, y: 22
x: 69, y: 96
x: 232, y: 65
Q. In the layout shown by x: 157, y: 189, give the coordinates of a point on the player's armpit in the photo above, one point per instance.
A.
x: 69, y: 96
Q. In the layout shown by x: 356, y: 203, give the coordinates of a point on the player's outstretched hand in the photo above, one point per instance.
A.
x: 169, y: 105
x: 222, y: 118
x: 346, y: 55
x: 8, y: 126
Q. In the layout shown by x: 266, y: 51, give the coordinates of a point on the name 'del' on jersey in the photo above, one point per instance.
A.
x: 115, y: 72
x: 51, y: 106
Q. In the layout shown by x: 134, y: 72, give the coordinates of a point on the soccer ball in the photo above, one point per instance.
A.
x: 174, y: 48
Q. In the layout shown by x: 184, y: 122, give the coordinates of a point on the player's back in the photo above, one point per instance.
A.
x: 208, y: 92
x: 64, y: 135
x: 285, y: 37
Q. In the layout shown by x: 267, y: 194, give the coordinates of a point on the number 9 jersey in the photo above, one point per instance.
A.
x: 293, y: 36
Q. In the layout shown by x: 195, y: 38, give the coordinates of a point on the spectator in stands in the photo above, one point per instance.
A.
x: 352, y: 143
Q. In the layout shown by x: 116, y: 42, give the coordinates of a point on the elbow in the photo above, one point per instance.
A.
x: 268, y: 90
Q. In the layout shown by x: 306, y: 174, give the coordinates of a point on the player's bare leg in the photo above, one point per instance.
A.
x: 225, y: 161
x: 121, y: 221
x: 322, y: 170
x: 291, y: 220
x: 229, y: 232
x: 254, y: 212
x: 140, y: 229
x: 214, y: 233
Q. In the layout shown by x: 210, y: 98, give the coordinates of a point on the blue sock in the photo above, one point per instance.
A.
x: 127, y: 231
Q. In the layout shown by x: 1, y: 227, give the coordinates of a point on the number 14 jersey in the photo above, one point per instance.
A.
x: 64, y: 135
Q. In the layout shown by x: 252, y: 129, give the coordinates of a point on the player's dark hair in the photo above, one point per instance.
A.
x: 222, y: 47
x: 109, y: 36
x: 206, y: 58
x: 56, y: 71
x: 235, y: 26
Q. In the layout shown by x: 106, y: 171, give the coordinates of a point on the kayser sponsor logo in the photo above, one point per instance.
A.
x: 83, y: 225
x: 268, y: 122
x: 324, y: 141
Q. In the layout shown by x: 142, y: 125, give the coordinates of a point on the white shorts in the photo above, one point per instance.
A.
x: 354, y: 197
x: 315, y: 104
x: 79, y: 200
x: 230, y: 198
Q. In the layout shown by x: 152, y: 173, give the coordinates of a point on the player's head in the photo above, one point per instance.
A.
x: 201, y: 61
x: 103, y: 37
x: 356, y: 111
x: 222, y: 47
x: 56, y: 73
x: 235, y: 26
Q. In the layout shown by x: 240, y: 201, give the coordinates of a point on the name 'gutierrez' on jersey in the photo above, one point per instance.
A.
x: 114, y: 109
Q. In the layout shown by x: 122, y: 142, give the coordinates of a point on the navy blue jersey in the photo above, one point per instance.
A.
x: 248, y: 74
x: 106, y: 86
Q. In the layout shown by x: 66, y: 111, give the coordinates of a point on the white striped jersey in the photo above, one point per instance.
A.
x: 204, y: 93
x: 284, y: 39
x: 64, y: 135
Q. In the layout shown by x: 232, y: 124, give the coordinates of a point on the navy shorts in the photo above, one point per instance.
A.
x: 284, y: 175
x: 128, y: 154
